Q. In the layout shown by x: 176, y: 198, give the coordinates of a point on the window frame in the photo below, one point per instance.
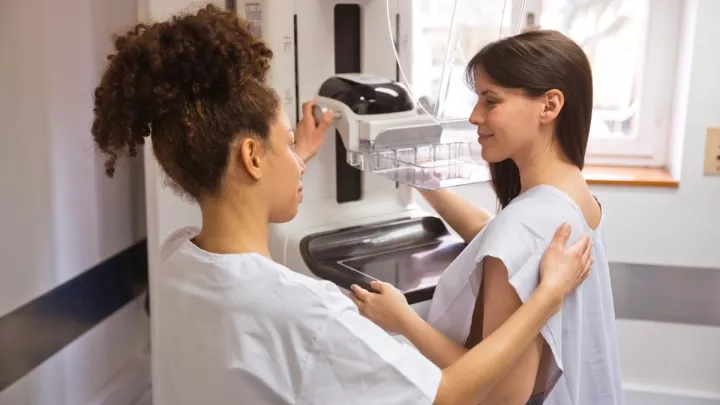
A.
x: 655, y: 116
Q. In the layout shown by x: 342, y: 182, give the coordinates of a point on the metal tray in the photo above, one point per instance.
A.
x: 409, y: 253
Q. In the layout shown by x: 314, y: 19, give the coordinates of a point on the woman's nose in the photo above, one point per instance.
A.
x: 301, y: 163
x: 476, y: 118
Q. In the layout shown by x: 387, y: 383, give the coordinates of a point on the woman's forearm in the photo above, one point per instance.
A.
x: 475, y: 374
x: 466, y: 218
x: 437, y: 347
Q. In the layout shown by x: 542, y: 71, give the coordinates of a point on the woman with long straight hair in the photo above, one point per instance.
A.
x: 535, y: 101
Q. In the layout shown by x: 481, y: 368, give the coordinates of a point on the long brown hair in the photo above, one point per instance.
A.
x: 539, y: 61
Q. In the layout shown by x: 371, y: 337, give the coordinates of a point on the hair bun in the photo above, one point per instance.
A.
x: 162, y: 68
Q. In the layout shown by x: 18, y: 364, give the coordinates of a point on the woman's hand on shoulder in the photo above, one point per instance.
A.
x: 388, y: 308
x: 309, y: 134
x: 562, y: 268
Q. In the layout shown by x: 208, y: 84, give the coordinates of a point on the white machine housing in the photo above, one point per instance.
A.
x: 302, y: 34
x: 410, y: 127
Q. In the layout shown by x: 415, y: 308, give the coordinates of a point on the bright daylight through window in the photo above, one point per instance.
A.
x: 632, y: 46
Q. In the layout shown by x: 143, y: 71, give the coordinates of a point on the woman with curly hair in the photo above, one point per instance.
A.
x: 231, y: 326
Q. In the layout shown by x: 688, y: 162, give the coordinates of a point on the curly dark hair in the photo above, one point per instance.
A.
x: 195, y: 82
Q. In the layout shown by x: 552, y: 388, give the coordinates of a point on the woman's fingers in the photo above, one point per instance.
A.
x: 378, y: 286
x: 561, y: 236
x: 307, y: 109
x: 586, y: 272
x: 581, y: 245
x: 360, y: 292
x: 587, y: 260
x: 587, y: 252
x: 360, y: 304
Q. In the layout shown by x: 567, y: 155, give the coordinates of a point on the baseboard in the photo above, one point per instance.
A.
x: 647, y: 395
x: 130, y: 384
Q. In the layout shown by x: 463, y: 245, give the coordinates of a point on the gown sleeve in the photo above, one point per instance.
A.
x: 520, y: 246
x: 353, y: 361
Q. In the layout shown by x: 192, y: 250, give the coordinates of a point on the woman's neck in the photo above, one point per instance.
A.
x: 548, y: 166
x: 233, y: 227
x: 552, y: 168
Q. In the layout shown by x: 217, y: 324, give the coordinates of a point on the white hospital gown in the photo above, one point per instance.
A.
x: 582, y: 336
x: 242, y: 329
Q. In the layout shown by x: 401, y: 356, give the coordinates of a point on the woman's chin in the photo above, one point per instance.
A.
x: 286, y: 216
x: 490, y: 157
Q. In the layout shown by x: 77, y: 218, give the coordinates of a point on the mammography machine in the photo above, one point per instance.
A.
x: 358, y: 220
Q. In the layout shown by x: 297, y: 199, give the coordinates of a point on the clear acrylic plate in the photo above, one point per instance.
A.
x: 432, y: 166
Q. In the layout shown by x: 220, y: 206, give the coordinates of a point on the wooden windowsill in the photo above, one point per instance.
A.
x: 630, y: 176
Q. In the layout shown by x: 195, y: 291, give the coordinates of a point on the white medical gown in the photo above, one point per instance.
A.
x: 242, y: 329
x: 582, y: 336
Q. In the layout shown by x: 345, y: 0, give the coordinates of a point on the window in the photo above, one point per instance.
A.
x: 632, y: 46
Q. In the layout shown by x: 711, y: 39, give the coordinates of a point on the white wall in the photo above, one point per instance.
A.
x: 60, y: 215
x: 669, y: 227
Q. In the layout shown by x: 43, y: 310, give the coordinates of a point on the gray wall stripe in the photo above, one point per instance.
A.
x: 32, y: 333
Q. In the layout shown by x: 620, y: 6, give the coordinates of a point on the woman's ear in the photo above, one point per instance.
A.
x: 554, y: 101
x: 249, y: 155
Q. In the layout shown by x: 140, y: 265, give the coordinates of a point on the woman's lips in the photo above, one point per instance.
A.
x: 484, y: 137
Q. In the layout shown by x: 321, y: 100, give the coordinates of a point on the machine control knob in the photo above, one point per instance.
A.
x: 319, y: 111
